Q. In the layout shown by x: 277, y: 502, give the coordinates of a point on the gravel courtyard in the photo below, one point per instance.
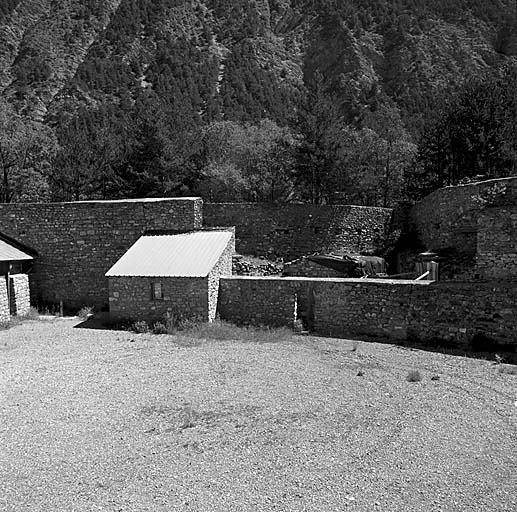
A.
x: 98, y: 420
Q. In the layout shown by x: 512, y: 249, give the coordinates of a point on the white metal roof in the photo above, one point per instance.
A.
x: 11, y: 253
x: 184, y: 255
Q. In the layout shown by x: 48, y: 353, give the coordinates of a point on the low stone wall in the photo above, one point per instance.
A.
x: 461, y: 312
x: 386, y: 309
x: 250, y: 300
x: 184, y: 297
x: 496, y: 256
x: 364, y: 307
x: 78, y: 242
x: 20, y: 294
x: 293, y: 230
x: 4, y: 301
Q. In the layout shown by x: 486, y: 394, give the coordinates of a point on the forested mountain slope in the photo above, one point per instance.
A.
x: 210, y: 61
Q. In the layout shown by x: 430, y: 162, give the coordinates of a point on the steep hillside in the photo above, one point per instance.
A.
x: 244, y: 60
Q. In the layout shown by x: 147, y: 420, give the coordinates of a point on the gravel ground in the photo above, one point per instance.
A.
x: 97, y: 420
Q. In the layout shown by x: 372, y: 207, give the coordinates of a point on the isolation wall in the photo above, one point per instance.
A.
x: 77, y: 243
x: 293, y: 230
x: 448, y: 217
x: 385, y: 309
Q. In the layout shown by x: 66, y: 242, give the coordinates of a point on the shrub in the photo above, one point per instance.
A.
x: 159, y: 328
x: 414, y: 376
x: 85, y: 312
x: 32, y: 314
x: 141, y: 326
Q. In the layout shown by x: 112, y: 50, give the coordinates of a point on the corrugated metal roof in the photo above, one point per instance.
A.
x: 11, y: 253
x: 183, y: 255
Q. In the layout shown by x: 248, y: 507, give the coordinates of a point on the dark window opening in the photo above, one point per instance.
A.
x: 156, y: 291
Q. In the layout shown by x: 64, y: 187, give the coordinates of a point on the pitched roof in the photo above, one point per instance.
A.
x: 10, y: 253
x: 183, y: 255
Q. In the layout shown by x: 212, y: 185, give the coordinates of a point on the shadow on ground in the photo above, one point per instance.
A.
x: 103, y: 321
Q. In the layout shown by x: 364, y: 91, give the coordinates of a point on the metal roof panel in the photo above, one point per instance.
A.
x: 183, y: 255
x: 11, y: 253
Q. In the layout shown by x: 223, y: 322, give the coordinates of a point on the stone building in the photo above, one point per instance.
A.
x: 171, y: 275
x: 15, y: 264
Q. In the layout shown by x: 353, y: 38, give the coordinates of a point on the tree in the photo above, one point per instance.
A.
x: 91, y: 146
x: 27, y: 149
x: 321, y: 129
x: 473, y: 133
x: 247, y: 162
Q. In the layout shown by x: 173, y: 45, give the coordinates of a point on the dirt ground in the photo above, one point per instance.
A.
x: 98, y: 420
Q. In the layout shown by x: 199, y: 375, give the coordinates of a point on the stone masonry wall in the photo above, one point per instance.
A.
x: 357, y: 307
x: 447, y: 218
x: 183, y: 297
x: 77, y: 243
x: 247, y: 300
x: 4, y: 301
x: 496, y: 256
x: 386, y: 309
x: 222, y: 268
x: 293, y: 230
x: 20, y: 294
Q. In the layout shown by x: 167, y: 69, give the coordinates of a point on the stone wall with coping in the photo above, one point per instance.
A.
x: 496, y: 256
x: 20, y: 294
x: 384, y: 309
x: 293, y: 230
x: 130, y: 298
x: 5, y: 314
x: 78, y: 242
x: 447, y: 218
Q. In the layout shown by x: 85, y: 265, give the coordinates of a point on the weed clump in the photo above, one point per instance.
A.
x: 141, y: 327
x: 85, y: 312
x: 414, y: 376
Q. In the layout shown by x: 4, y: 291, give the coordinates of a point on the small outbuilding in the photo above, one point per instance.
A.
x: 171, y: 275
x: 15, y: 265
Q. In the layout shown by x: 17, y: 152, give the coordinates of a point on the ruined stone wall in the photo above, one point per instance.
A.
x: 78, y: 242
x: 384, y: 309
x: 20, y: 294
x: 130, y: 298
x: 496, y: 256
x: 4, y: 301
x: 222, y: 268
x: 448, y: 217
x: 293, y: 230
x: 304, y: 267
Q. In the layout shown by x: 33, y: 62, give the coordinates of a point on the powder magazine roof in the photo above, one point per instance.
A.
x: 181, y: 255
x: 10, y: 253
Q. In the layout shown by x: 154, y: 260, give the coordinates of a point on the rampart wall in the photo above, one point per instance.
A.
x: 447, y: 218
x: 293, y: 230
x: 78, y: 242
x: 386, y: 309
